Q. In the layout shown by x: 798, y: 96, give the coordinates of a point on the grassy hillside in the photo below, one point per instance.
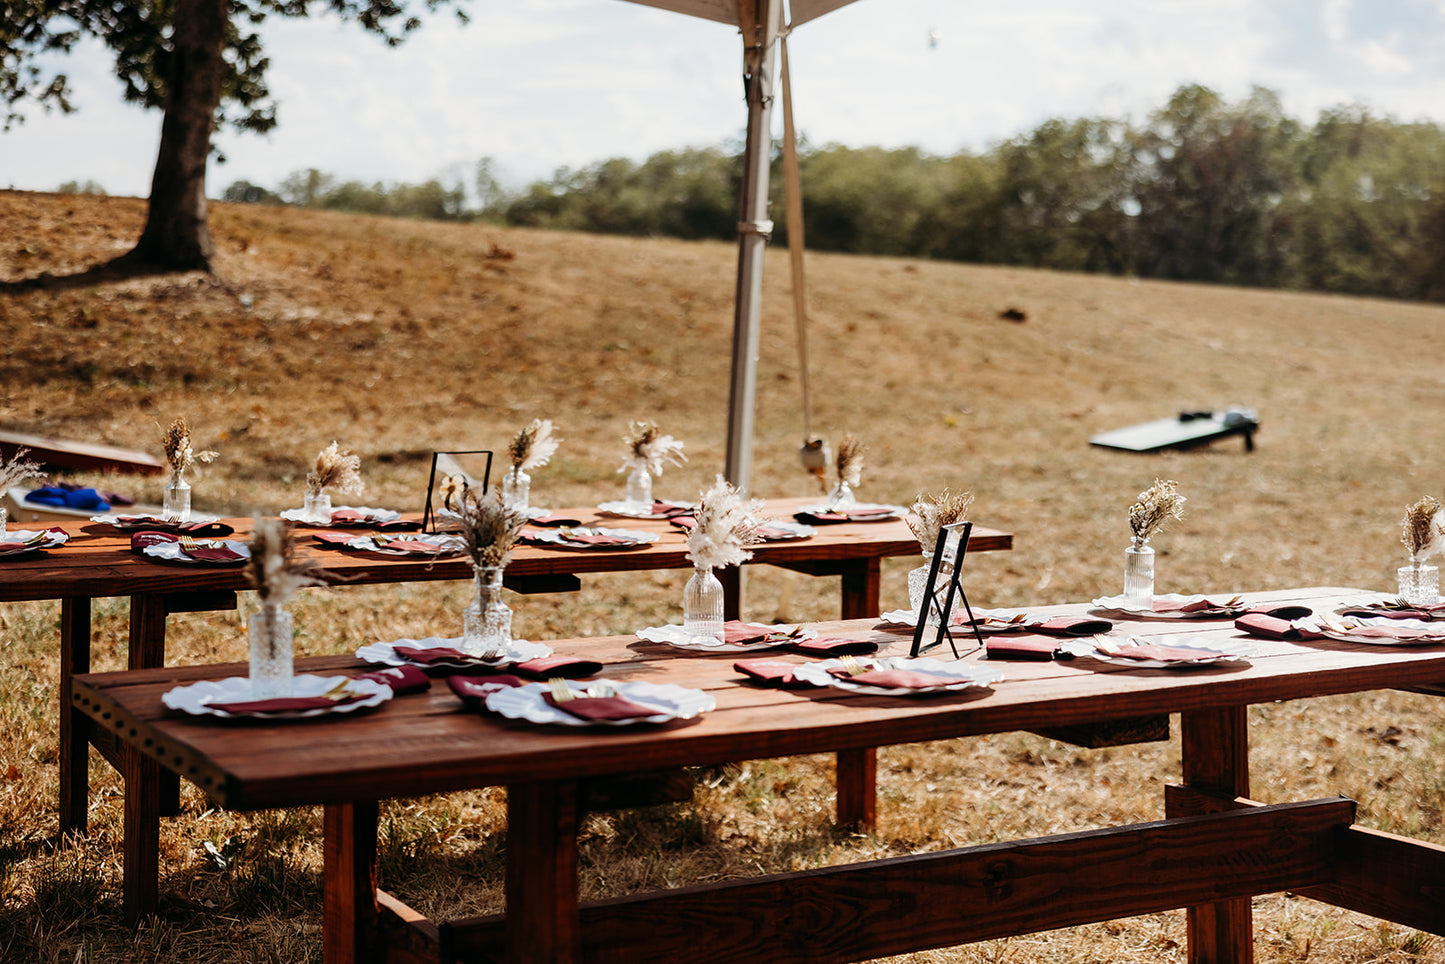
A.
x: 397, y: 337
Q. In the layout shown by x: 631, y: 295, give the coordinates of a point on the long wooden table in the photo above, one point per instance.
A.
x: 97, y: 562
x: 1213, y: 849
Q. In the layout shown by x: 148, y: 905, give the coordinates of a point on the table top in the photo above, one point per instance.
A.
x: 430, y: 742
x: 97, y: 561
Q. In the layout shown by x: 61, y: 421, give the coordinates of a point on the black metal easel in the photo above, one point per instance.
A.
x: 955, y: 587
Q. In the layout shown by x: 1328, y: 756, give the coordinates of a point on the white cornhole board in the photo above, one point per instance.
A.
x: 1186, y: 430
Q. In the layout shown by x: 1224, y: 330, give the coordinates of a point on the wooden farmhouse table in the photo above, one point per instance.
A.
x: 97, y: 562
x: 1212, y: 850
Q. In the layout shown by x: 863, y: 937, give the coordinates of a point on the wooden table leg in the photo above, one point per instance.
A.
x: 1215, y: 746
x: 542, y: 922
x: 142, y: 848
x: 857, y: 770
x: 74, y: 726
x: 349, y: 912
x: 732, y: 581
x: 861, y: 585
x: 146, y: 649
x: 857, y: 778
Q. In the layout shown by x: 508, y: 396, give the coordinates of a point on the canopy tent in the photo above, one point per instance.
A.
x: 761, y: 23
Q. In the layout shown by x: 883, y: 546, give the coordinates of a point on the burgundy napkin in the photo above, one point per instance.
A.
x: 1294, y: 611
x: 770, y: 672
x: 1198, y: 608
x: 769, y: 533
x: 601, y: 707
x: 1021, y: 647
x: 284, y: 704
x: 401, y: 679
x: 15, y: 547
x: 844, y: 515
x: 1166, y: 654
x: 834, y: 646
x: 688, y: 522
x: 471, y: 688
x: 553, y: 521
x: 666, y: 510
x: 139, y: 540
x: 1071, y: 626
x: 181, y: 528
x: 896, y: 678
x: 333, y: 540
x: 411, y: 547
x: 348, y: 516
x: 1271, y: 627
x: 215, y: 554
x: 567, y: 667
x: 434, y: 654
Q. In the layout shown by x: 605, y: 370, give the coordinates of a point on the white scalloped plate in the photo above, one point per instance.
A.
x: 52, y: 540
x: 991, y: 621
x: 673, y: 635
x: 373, y: 517
x: 172, y: 552
x: 1221, y: 651
x: 671, y: 701
x: 446, y: 545
x: 895, y: 511
x: 1115, y: 605
x: 196, y: 698
x: 518, y: 651
x: 558, y: 538
x: 126, y: 522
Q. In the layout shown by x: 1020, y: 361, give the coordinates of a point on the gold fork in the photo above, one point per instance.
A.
x: 561, y: 692
x: 851, y: 666
x: 190, y: 543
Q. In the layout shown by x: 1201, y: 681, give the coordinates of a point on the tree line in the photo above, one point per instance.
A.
x: 1203, y: 189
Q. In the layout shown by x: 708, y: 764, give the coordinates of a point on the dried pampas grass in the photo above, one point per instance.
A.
x: 336, y: 470
x: 649, y: 448
x: 273, y: 569
x: 534, y: 446
x: 1155, y: 508
x: 726, y: 523
x: 489, y: 527
x: 177, y: 443
x: 850, y: 461
x: 1421, y: 529
x: 18, y: 469
x: 932, y: 513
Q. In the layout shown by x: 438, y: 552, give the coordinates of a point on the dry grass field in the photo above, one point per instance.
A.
x: 397, y: 338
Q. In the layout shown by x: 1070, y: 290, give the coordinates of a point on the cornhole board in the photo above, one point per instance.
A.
x: 1184, y: 431
x: 56, y: 453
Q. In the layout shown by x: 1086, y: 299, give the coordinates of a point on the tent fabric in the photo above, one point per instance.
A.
x: 726, y: 11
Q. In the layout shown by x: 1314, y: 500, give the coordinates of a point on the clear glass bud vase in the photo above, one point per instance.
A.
x: 272, y: 648
x: 702, y: 606
x: 517, y: 490
x: 918, y: 582
x: 841, y: 497
x: 1420, y: 583
x: 639, y: 489
x: 487, y: 621
x: 1139, y: 576
x: 316, y: 507
x: 176, y: 500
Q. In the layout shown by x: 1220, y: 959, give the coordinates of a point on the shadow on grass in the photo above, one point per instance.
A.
x: 122, y: 268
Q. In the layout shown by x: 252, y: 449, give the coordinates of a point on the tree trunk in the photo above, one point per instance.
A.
x: 175, y: 234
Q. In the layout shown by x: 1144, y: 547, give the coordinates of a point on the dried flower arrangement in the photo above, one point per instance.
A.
x: 1153, y: 510
x: 648, y: 448
x: 179, y: 454
x: 933, y: 513
x: 273, y: 570
x: 336, y: 470
x: 726, y: 523
x: 18, y: 470
x: 534, y: 446
x: 850, y: 461
x: 1421, y: 529
x: 488, y: 526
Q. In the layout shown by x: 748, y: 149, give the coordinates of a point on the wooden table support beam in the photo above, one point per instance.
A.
x: 75, y: 728
x: 349, y: 909
x: 886, y: 907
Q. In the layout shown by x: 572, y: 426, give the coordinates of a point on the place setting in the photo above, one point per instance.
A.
x: 1164, y: 652
x: 190, y: 550
x: 769, y: 530
x: 649, y: 449
x: 15, y: 543
x: 898, y: 676
x: 584, y: 538
x: 842, y: 505
x: 595, y: 703
x: 437, y: 652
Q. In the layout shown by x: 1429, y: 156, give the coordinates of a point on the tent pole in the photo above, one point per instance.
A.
x: 754, y: 228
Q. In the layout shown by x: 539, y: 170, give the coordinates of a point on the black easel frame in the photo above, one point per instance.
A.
x: 444, y: 464
x: 955, y: 588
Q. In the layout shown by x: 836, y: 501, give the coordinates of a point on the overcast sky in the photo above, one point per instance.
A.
x: 540, y: 84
